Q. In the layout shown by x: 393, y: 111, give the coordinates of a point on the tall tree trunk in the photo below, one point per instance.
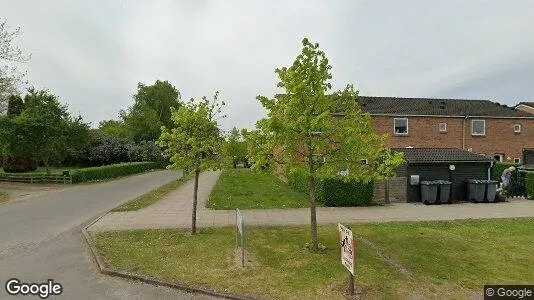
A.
x: 195, y: 197
x: 313, y: 214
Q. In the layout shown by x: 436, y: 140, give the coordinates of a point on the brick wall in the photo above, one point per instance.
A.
x: 423, y: 132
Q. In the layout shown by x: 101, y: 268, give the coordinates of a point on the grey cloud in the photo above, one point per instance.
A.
x: 93, y: 53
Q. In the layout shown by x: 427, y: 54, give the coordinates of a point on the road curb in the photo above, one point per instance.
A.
x: 150, y: 280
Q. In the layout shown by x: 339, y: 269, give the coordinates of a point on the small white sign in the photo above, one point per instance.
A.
x: 347, y: 248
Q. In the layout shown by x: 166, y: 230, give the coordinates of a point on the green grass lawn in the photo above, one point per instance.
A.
x: 244, y: 189
x: 152, y: 196
x: 448, y: 259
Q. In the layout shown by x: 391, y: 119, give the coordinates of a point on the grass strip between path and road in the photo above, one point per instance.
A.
x: 245, y: 189
x: 446, y: 259
x: 153, y: 196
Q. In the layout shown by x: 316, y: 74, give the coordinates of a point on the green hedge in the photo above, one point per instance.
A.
x: 335, y: 192
x: 529, y: 183
x: 112, y: 171
x: 498, y: 168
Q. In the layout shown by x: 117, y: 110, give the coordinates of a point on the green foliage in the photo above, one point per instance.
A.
x: 113, y: 128
x: 335, y: 192
x: 15, y: 105
x: 112, y: 171
x: 235, y: 147
x: 347, y: 193
x: 43, y: 131
x: 194, y: 142
x: 151, y: 110
x: 319, y: 133
x: 529, y: 184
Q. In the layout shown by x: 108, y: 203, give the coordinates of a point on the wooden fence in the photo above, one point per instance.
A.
x: 36, y: 178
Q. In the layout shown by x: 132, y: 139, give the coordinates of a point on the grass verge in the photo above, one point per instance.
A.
x: 153, y: 196
x: 448, y: 259
x: 244, y: 189
x: 4, y: 197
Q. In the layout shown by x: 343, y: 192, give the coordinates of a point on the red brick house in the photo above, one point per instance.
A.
x: 480, y: 126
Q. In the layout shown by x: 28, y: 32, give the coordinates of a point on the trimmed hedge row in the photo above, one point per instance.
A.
x: 529, y: 183
x: 335, y: 192
x: 112, y: 171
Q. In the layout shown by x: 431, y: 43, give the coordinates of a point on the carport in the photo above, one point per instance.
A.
x: 455, y: 165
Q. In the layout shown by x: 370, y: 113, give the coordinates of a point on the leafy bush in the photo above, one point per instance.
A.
x: 529, y: 183
x: 352, y: 193
x: 335, y: 192
x: 112, y: 171
x: 517, y: 184
x: 19, y: 164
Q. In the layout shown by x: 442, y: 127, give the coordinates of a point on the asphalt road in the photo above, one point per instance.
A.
x: 40, y: 239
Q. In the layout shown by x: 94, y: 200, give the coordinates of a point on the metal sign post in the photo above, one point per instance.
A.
x: 240, y: 234
x: 347, y: 253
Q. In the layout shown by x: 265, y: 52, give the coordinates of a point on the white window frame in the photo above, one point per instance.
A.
x: 501, y: 157
x: 473, y: 127
x: 517, y: 128
x: 442, y: 129
x: 407, y: 126
x: 364, y: 161
x: 517, y: 160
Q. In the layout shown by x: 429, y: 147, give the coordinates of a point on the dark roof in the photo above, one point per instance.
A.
x: 437, y: 107
x: 531, y: 104
x: 449, y: 155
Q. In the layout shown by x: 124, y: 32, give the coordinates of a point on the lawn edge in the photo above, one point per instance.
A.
x: 103, y: 269
x: 110, y: 271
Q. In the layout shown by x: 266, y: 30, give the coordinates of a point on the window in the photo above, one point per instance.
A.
x: 517, y: 128
x: 442, y: 127
x: 478, y: 127
x: 517, y: 160
x: 400, y: 126
x: 365, y: 161
x: 499, y: 157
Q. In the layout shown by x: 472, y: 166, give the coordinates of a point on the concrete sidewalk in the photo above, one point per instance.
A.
x: 175, y: 212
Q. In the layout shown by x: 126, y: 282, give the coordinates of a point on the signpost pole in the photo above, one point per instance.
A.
x: 351, y: 284
x: 242, y: 244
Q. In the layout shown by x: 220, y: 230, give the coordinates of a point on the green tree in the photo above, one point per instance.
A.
x: 113, y: 128
x: 194, y: 142
x: 151, y: 110
x: 42, y: 131
x: 311, y: 131
x: 235, y: 147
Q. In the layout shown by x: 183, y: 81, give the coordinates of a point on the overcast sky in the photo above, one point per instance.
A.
x: 92, y: 53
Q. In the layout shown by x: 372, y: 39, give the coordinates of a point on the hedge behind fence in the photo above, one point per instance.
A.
x: 112, y: 171
x: 335, y: 192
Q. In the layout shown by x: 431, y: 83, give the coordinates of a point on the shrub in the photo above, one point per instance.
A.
x: 112, y: 171
x: 335, y: 192
x: 529, y: 184
x: 19, y: 165
x: 351, y: 193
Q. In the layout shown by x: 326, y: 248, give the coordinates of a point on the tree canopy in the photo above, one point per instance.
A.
x: 318, y: 132
x: 194, y: 142
x: 151, y: 110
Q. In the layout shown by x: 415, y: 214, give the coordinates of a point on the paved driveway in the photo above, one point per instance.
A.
x: 41, y: 239
x: 175, y: 212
